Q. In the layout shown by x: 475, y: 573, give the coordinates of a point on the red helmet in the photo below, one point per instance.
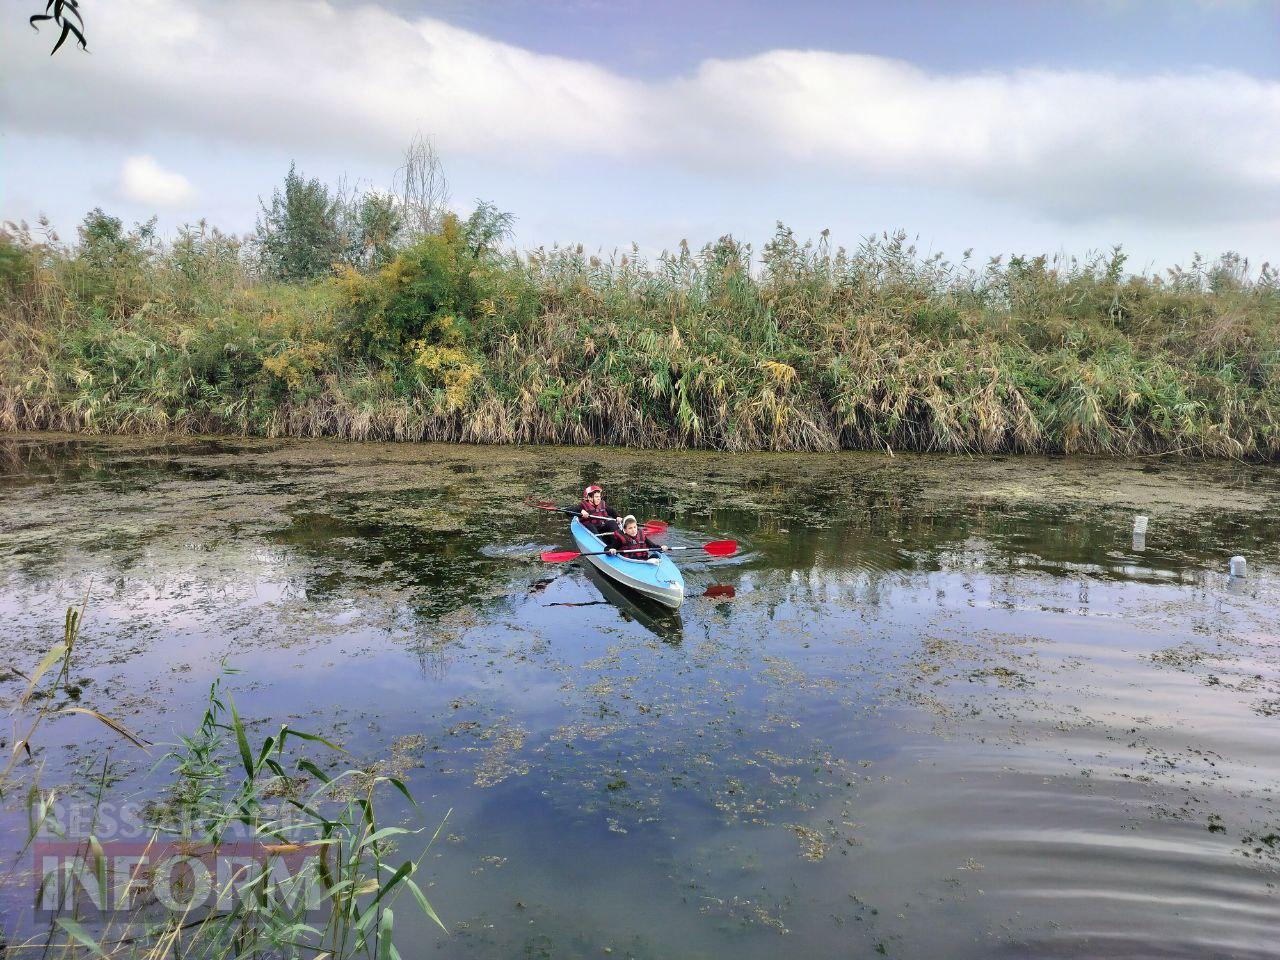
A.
x: 591, y: 489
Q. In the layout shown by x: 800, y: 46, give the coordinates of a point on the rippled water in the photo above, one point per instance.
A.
x: 950, y: 709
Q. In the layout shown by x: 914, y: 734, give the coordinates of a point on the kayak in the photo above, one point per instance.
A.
x: 659, y: 580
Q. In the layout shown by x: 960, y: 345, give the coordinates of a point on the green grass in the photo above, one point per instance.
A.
x: 798, y: 347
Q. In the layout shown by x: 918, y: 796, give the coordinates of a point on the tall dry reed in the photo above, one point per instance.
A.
x: 796, y: 347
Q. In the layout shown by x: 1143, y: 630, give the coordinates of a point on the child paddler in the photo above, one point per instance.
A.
x: 592, y: 508
x: 630, y: 541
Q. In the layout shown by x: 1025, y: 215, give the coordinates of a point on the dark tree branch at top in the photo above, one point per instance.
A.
x: 65, y: 14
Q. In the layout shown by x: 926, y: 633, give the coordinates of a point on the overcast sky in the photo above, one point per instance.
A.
x: 1019, y: 126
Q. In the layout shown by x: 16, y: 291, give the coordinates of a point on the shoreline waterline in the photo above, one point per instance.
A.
x: 1173, y: 455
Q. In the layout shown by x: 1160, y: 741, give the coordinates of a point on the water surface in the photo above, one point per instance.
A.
x: 950, y: 709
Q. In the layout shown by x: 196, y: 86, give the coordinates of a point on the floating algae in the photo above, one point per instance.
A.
x: 813, y: 845
x: 501, y: 758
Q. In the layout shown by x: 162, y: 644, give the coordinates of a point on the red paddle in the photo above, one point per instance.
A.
x: 717, y: 548
x: 651, y: 527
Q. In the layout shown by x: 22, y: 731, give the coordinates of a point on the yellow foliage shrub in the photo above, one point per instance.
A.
x: 296, y: 364
x: 445, y: 368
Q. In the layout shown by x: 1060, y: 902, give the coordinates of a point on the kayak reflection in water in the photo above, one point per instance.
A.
x: 632, y: 543
x: 593, y: 508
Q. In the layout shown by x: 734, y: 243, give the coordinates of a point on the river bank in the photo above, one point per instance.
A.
x: 796, y: 348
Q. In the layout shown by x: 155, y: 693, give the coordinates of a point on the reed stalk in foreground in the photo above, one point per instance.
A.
x: 312, y: 870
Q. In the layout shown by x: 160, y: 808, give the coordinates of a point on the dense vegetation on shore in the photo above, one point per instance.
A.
x: 448, y: 336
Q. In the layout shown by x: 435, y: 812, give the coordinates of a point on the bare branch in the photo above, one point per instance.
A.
x: 421, y: 189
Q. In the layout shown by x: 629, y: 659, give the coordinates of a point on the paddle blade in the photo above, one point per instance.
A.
x: 542, y: 504
x: 558, y: 556
x: 721, y: 548
x: 721, y: 590
x: 654, y: 528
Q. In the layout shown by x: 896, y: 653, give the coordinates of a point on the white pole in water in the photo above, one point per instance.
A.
x: 1238, y: 567
x: 1139, y: 534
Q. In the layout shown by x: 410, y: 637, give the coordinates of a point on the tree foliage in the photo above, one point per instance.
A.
x: 299, y: 234
x: 309, y: 229
x: 374, y: 225
x: 432, y: 291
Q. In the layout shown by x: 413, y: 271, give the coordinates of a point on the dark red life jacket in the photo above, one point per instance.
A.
x: 621, y: 541
x: 597, y: 510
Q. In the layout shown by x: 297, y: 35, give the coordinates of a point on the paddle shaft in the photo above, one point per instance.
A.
x: 717, y: 548
x: 577, y: 512
x: 656, y: 526
x: 600, y: 553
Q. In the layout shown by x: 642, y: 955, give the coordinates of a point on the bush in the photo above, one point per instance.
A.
x: 430, y: 297
x: 16, y: 264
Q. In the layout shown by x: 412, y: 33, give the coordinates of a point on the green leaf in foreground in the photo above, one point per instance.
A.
x: 81, y: 936
x: 242, y: 742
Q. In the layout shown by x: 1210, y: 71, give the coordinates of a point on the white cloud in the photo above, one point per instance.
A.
x: 145, y: 182
x: 1068, y: 144
x: 302, y: 76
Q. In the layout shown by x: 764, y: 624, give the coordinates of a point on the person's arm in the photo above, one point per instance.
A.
x: 654, y: 545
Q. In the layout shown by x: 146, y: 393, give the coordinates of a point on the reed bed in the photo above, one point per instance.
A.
x: 795, y: 347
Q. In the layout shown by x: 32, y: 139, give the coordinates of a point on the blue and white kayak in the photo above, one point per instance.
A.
x: 658, y: 579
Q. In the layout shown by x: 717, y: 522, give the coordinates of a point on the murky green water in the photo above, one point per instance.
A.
x: 951, y: 711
